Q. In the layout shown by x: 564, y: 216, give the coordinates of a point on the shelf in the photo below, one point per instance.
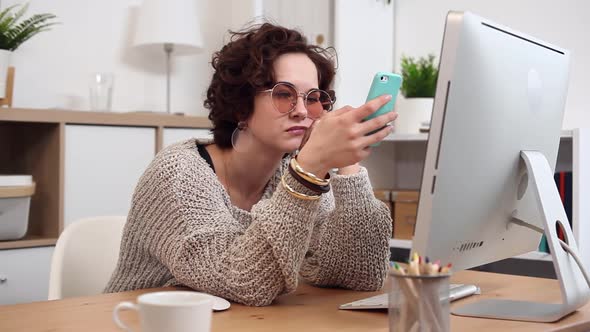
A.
x: 28, y: 241
x: 565, y: 134
x: 32, y: 142
x: 139, y: 119
x: 36, y: 148
x: 407, y: 137
x: 533, y: 255
x: 399, y: 243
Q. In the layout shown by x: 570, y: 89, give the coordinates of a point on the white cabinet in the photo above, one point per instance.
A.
x: 102, y: 167
x: 312, y: 17
x: 24, y: 275
x: 174, y: 135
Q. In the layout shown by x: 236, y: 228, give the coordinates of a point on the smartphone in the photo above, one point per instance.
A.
x: 383, y: 83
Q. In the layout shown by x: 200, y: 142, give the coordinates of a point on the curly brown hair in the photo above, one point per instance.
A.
x: 244, y: 66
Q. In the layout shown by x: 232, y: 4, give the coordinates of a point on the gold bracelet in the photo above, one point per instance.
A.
x: 296, y: 194
x: 307, y: 175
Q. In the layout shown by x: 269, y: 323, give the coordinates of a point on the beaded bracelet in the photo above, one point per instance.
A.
x: 311, y: 186
x: 297, y: 194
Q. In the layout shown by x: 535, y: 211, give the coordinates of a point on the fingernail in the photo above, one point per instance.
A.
x: 388, y: 97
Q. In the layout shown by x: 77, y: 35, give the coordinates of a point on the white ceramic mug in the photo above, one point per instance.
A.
x: 179, y: 311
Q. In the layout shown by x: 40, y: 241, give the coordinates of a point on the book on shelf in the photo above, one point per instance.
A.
x: 563, y: 180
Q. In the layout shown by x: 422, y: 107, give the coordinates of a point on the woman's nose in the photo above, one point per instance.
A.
x: 300, y: 110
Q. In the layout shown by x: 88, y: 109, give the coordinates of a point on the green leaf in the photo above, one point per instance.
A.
x: 419, y: 76
x: 14, y: 31
x: 5, y: 16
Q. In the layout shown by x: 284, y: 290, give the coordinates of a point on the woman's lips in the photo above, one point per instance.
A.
x: 297, y: 130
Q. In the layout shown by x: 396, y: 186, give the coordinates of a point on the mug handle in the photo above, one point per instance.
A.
x: 123, y: 306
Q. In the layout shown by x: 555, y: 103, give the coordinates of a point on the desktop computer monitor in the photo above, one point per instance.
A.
x: 499, y: 92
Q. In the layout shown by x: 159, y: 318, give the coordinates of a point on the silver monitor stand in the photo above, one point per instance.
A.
x: 538, y: 187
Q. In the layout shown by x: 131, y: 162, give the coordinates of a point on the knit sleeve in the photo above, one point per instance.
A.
x: 216, y: 253
x: 350, y: 247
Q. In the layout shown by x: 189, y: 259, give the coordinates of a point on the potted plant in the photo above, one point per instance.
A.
x: 418, y: 87
x: 14, y: 32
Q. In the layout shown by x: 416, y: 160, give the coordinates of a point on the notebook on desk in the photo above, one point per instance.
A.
x: 456, y: 291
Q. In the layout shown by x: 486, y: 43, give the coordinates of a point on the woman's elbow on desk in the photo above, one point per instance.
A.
x: 371, y: 279
x: 367, y: 282
x: 251, y: 296
x: 258, y: 299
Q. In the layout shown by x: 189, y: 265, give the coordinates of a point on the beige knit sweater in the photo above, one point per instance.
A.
x: 183, y: 230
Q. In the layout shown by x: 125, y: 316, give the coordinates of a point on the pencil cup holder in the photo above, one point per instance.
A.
x: 419, y: 303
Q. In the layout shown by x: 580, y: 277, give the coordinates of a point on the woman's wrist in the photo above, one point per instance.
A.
x: 312, y: 165
x: 318, y: 187
x: 349, y: 170
x: 298, y: 190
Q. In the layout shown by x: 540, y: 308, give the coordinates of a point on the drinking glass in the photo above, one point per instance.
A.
x: 101, y: 92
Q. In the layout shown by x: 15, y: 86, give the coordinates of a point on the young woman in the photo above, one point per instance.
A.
x: 242, y: 217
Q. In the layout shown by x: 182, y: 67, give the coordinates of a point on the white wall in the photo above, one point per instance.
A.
x: 297, y: 15
x: 363, y: 37
x: 52, y: 68
x: 420, y: 23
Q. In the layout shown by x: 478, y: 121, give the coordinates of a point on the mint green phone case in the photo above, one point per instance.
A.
x: 384, y: 83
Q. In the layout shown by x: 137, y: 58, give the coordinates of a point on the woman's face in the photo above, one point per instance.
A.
x: 283, y: 132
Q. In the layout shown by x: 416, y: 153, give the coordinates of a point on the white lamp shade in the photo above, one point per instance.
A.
x: 173, y: 22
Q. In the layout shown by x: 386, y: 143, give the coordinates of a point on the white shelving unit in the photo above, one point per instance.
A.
x: 533, y: 255
x: 84, y: 164
x: 407, y: 137
x: 581, y: 192
x: 565, y: 134
x: 574, y: 156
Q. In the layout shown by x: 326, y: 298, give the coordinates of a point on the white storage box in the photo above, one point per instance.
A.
x: 15, y: 200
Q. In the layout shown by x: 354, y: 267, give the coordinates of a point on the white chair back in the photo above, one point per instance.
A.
x: 85, y: 256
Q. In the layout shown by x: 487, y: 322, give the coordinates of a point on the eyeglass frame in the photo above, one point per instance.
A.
x: 303, y: 95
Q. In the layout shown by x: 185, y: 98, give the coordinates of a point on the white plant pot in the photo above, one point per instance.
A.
x: 4, y: 63
x: 412, y: 114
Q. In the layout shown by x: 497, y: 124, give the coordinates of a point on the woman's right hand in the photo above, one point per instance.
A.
x: 340, y: 139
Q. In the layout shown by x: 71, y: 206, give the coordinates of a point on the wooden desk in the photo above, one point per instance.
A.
x: 308, y: 309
